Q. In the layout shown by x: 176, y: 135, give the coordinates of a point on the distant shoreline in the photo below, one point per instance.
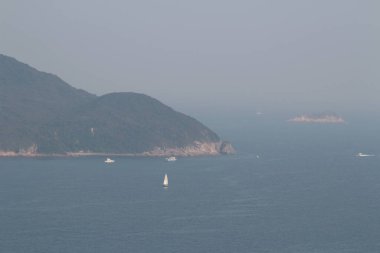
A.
x: 80, y: 154
x: 323, y: 119
x: 198, y: 149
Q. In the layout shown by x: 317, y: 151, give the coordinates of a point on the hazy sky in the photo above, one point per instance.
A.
x: 206, y: 55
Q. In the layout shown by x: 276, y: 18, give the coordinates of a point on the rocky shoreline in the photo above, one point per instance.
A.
x: 197, y: 149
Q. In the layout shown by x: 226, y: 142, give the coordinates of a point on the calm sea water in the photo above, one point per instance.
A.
x: 291, y: 188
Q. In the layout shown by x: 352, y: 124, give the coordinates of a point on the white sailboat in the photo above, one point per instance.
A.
x: 166, y: 181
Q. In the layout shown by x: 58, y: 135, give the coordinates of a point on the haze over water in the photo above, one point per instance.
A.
x: 209, y: 56
x: 291, y: 188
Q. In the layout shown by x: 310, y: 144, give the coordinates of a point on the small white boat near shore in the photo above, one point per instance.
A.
x: 171, y: 159
x: 109, y: 160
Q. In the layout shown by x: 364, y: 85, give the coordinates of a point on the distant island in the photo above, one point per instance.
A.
x: 41, y: 115
x: 323, y: 118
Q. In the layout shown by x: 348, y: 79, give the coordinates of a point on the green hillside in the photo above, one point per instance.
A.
x: 41, y: 113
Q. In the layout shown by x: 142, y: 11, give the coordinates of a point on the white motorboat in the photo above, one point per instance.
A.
x: 109, y: 160
x: 171, y: 159
x: 363, y: 155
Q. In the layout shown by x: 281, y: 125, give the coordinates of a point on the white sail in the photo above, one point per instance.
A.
x: 166, y: 181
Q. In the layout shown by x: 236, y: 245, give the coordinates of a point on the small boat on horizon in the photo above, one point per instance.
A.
x: 109, y: 160
x: 364, y: 155
x: 166, y: 181
x: 171, y: 159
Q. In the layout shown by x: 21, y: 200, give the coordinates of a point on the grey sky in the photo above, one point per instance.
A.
x: 206, y: 55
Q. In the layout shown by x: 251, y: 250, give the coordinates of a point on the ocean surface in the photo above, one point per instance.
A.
x: 291, y: 188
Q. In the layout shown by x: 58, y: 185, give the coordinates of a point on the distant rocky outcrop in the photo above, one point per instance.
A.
x: 226, y: 148
x: 40, y: 114
x: 197, y: 148
x: 324, y: 118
